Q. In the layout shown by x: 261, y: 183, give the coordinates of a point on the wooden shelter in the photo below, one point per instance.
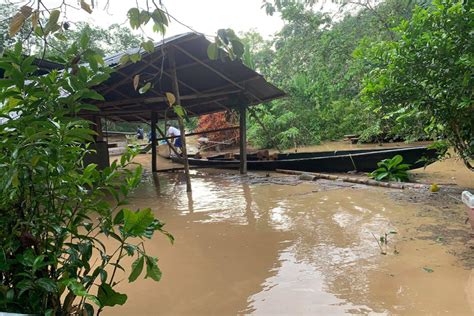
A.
x: 180, y: 65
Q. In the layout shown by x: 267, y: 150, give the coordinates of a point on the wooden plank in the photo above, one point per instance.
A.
x: 217, y: 72
x: 314, y: 176
x: 148, y: 100
x: 172, y: 61
x: 243, y: 139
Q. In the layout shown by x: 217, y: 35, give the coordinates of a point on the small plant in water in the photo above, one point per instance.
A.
x: 382, y: 242
x: 391, y: 170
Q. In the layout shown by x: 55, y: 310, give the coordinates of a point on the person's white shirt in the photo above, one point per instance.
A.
x: 173, y: 131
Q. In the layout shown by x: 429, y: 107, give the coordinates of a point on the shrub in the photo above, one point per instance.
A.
x: 55, y: 212
x: 391, y: 170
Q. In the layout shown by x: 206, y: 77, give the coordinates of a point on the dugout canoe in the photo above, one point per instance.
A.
x: 364, y: 160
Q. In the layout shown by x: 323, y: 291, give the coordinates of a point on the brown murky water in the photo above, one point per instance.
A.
x: 244, y: 247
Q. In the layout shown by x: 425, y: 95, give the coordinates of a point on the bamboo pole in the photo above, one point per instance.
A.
x: 243, y: 139
x: 154, y: 119
x: 313, y: 176
x: 172, y: 61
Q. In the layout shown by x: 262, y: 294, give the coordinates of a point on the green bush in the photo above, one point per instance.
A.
x: 391, y: 170
x: 55, y: 212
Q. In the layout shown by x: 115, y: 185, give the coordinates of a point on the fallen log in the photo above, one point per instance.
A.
x: 311, y: 176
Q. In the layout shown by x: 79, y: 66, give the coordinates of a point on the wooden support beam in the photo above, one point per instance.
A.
x: 203, y: 132
x: 149, y: 100
x: 154, y: 120
x: 172, y: 61
x: 140, y: 118
x: 217, y: 72
x: 243, y: 139
x: 97, y: 127
x: 189, y: 86
x: 128, y: 78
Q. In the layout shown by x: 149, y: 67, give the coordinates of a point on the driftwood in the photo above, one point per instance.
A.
x: 310, y: 176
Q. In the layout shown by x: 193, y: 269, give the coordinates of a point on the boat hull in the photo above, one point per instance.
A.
x: 338, y: 161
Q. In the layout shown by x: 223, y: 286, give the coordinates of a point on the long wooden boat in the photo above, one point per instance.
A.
x: 364, y: 160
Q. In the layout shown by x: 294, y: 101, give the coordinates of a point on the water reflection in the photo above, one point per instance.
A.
x: 275, y: 249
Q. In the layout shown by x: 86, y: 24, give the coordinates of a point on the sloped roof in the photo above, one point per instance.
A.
x: 205, y: 85
x: 44, y: 66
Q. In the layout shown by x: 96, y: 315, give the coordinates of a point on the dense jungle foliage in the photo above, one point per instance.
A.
x: 401, y: 70
x: 389, y: 70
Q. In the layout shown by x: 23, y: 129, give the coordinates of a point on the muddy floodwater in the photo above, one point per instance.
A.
x: 280, y: 246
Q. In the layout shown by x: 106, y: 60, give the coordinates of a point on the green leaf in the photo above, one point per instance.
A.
x: 137, y: 268
x: 395, y: 161
x: 136, y: 223
x: 118, y: 219
x: 3, y: 261
x: 14, y: 179
x: 152, y: 270
x: 429, y: 270
x: 84, y: 41
x: 52, y: 24
x: 134, y: 18
x: 238, y: 48
x: 60, y: 36
x: 148, y: 46
x: 159, y: 28
x: 103, y: 275
x: 24, y: 285
x: 381, y: 176
x: 213, y: 51
x: 145, y: 88
x: 109, y: 297
x: 135, y: 57
x: 89, y: 309
x: 47, y: 284
x: 75, y: 287
x: 124, y: 59
x: 179, y: 110
x: 144, y: 17
x: 92, y: 94
x: 159, y: 17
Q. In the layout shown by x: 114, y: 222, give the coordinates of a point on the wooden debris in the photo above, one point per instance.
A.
x: 310, y: 176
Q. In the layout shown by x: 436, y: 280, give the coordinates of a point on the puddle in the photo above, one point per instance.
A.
x: 244, y: 248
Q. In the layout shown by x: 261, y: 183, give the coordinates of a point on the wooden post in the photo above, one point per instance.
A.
x: 154, y: 120
x: 172, y: 62
x: 243, y: 139
x: 97, y: 127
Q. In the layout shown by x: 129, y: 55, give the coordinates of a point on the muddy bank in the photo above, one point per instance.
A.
x: 274, y: 245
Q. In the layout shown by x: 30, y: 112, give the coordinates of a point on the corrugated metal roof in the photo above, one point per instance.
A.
x: 206, y: 86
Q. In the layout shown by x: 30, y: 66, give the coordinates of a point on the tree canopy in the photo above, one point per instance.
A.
x: 392, y: 70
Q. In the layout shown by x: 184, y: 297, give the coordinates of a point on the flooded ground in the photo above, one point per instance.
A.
x: 247, y: 245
